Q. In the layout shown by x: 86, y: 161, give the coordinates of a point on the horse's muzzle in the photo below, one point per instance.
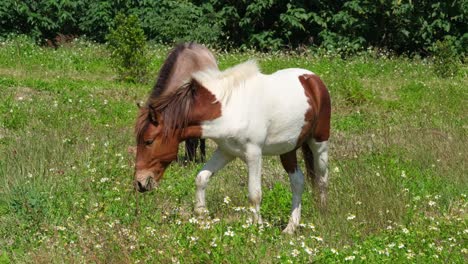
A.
x: 144, y: 183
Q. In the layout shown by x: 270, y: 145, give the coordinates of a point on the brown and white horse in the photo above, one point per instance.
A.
x: 184, y: 60
x: 248, y: 114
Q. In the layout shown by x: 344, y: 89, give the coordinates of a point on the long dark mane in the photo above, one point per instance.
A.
x: 157, y: 101
x: 167, y: 68
x: 174, y: 107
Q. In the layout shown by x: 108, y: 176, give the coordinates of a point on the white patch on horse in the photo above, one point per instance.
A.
x: 266, y: 110
x: 222, y: 83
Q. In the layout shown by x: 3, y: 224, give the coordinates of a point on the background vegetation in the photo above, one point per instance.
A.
x: 403, y: 26
x: 398, y: 167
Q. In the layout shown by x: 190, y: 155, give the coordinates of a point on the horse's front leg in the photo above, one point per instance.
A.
x: 253, y: 159
x: 217, y: 162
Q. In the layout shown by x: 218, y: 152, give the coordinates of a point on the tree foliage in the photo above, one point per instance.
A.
x: 405, y: 26
x: 127, y: 43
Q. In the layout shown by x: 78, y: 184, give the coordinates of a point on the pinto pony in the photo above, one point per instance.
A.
x: 248, y: 114
x: 184, y: 60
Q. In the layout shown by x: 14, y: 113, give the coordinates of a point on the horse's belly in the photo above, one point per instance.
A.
x: 278, y: 148
x: 282, y: 141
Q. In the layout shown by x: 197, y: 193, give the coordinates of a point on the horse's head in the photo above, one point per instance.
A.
x: 155, y: 150
x: 164, y: 123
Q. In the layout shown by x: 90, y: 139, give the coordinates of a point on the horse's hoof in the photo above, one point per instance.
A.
x: 289, y: 230
x: 201, y: 212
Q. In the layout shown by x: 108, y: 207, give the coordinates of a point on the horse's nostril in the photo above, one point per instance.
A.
x: 140, y: 186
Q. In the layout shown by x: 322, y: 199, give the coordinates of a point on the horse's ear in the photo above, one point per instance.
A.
x: 152, y: 114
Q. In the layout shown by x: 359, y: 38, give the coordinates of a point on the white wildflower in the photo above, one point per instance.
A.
x: 350, y: 258
x: 350, y: 217
x: 238, y: 208
x: 213, y: 243
x: 229, y: 233
x: 319, y: 239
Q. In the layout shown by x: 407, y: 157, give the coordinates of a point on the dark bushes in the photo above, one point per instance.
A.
x: 343, y: 26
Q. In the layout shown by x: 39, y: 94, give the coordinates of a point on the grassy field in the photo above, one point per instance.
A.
x: 398, y: 168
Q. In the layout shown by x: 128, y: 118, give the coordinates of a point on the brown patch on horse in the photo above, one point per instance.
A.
x: 289, y: 161
x: 182, y: 112
x: 206, y: 106
x: 317, y: 117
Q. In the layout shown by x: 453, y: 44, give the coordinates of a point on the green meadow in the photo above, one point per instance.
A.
x: 398, y: 168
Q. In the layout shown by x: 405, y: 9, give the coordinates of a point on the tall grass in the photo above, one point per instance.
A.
x: 397, y: 170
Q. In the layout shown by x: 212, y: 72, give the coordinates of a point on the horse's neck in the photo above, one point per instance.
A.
x: 189, y: 62
x: 204, y: 108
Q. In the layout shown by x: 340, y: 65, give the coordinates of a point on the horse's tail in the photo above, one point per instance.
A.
x: 309, y: 162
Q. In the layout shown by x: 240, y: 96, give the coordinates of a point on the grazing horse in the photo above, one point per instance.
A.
x: 182, y: 61
x: 248, y: 114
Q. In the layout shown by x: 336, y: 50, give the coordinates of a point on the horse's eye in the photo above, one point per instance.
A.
x: 149, y: 142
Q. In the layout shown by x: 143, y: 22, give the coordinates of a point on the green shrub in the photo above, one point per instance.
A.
x: 127, y: 43
x: 445, y: 58
x: 168, y: 21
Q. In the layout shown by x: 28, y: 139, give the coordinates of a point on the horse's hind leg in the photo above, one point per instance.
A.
x: 320, y: 157
x: 190, y: 149
x: 202, y: 150
x: 296, y: 178
x: 217, y: 162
